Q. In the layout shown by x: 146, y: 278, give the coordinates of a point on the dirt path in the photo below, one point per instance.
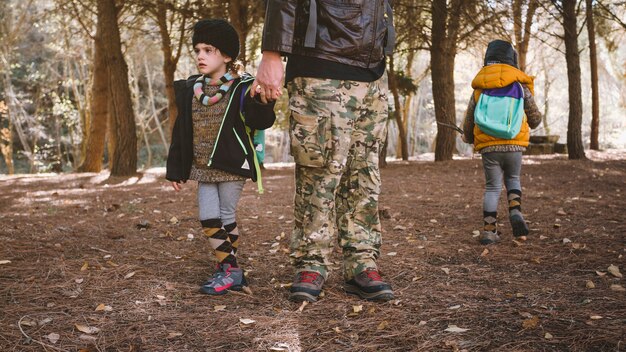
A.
x: 85, y: 251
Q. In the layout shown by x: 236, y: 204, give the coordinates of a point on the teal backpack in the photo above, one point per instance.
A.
x: 500, y: 111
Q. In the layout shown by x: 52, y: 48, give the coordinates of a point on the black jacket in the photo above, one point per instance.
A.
x: 233, y: 151
x: 356, y: 32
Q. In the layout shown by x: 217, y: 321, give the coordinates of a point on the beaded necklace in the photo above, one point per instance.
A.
x: 225, y: 82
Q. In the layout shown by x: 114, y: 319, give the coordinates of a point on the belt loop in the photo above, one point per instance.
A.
x: 311, y: 29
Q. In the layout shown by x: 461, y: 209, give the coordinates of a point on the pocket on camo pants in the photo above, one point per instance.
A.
x: 308, y: 135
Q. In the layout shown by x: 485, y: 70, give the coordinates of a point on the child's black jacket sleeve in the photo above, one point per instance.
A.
x: 258, y: 116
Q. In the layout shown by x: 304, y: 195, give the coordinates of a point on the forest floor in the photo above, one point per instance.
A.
x: 91, y: 263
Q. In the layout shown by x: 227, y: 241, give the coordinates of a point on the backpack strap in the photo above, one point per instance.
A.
x: 259, y: 180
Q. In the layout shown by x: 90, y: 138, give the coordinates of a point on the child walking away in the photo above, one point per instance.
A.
x: 499, y: 115
x: 211, y: 143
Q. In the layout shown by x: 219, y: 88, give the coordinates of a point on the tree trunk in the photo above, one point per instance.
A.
x: 442, y: 55
x: 238, y: 15
x: 94, y: 144
x: 123, y: 162
x: 169, y: 63
x: 522, y: 30
x: 572, y: 57
x: 397, y: 110
x: 593, y: 63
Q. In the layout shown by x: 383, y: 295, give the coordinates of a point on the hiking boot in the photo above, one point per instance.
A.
x: 520, y: 228
x: 306, y: 286
x: 489, y: 237
x: 226, y: 278
x: 369, y: 285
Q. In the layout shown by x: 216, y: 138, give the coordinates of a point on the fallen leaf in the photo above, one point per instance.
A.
x: 455, y: 307
x: 357, y: 309
x: 421, y: 323
x: 218, y: 308
x: 102, y: 307
x: 454, y: 328
x: 536, y: 260
x: 304, y: 304
x: 566, y: 240
x: 614, y: 270
x: 173, y: 335
x: 112, y: 264
x: 53, y: 337
x: 174, y: 220
x: 561, y: 212
x: 618, y: 288
x: 475, y: 233
x: 600, y: 273
x: 595, y: 317
x: 44, y: 321
x: 87, y: 338
x: 245, y: 321
x: 542, y: 237
x: 446, y: 270
x: 160, y: 297
x: 391, y: 254
x: 399, y: 227
x: 129, y: 275
x: 434, y: 221
x: 2, y: 262
x: 530, y: 323
x: 247, y: 290
x: 590, y: 284
x: 547, y: 336
x: 484, y: 253
x: 518, y: 243
x: 84, y: 267
x: 382, y: 325
x: 87, y: 329
x: 280, y: 347
x: 337, y: 330
x: 79, y: 280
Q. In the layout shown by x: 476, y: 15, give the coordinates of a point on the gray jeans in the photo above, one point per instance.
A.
x: 219, y: 200
x: 496, y: 165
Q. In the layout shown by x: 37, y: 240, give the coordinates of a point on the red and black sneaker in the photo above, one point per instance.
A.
x: 370, y: 286
x: 306, y: 286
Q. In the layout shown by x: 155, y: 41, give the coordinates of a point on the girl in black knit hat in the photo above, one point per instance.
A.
x: 211, y: 143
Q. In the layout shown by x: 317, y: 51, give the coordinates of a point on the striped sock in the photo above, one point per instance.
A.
x: 514, y: 197
x: 233, y: 235
x: 490, y: 221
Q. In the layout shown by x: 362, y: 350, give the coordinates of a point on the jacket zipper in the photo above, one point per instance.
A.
x: 240, y: 142
x: 219, y: 133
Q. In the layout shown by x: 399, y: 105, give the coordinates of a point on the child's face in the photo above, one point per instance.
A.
x: 210, y: 60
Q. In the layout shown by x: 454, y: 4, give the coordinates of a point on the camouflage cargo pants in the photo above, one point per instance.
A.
x: 336, y: 129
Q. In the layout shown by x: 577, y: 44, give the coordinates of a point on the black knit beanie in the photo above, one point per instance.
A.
x: 218, y: 33
x: 501, y: 52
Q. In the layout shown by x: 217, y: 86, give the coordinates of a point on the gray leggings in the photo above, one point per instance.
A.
x: 496, y: 164
x: 219, y: 200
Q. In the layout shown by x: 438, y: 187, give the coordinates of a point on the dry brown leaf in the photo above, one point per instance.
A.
x: 246, y: 321
x: 614, y: 270
x: 87, y: 338
x: 484, y: 253
x: 102, y: 307
x: 218, y: 308
x: 53, y: 337
x: 590, y: 284
x: 530, y: 323
x: 595, y: 317
x: 618, y: 288
x: 337, y: 330
x: 84, y: 267
x: 518, y: 243
x: 454, y: 328
x: 2, y: 262
x: 446, y: 270
x: 87, y: 329
x: 129, y: 275
x: 382, y: 325
x: 173, y: 335
x: 548, y: 336
x: 357, y: 309
x: 600, y: 273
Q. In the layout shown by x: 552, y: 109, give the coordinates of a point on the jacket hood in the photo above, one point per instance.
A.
x: 501, y: 52
x: 499, y: 76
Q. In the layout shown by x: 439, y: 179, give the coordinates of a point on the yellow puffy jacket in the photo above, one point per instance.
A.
x: 499, y: 76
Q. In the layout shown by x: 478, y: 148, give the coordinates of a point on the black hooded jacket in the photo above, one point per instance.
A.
x: 233, y: 151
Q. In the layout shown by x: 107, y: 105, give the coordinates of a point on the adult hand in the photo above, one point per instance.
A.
x: 176, y: 185
x: 269, y: 77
